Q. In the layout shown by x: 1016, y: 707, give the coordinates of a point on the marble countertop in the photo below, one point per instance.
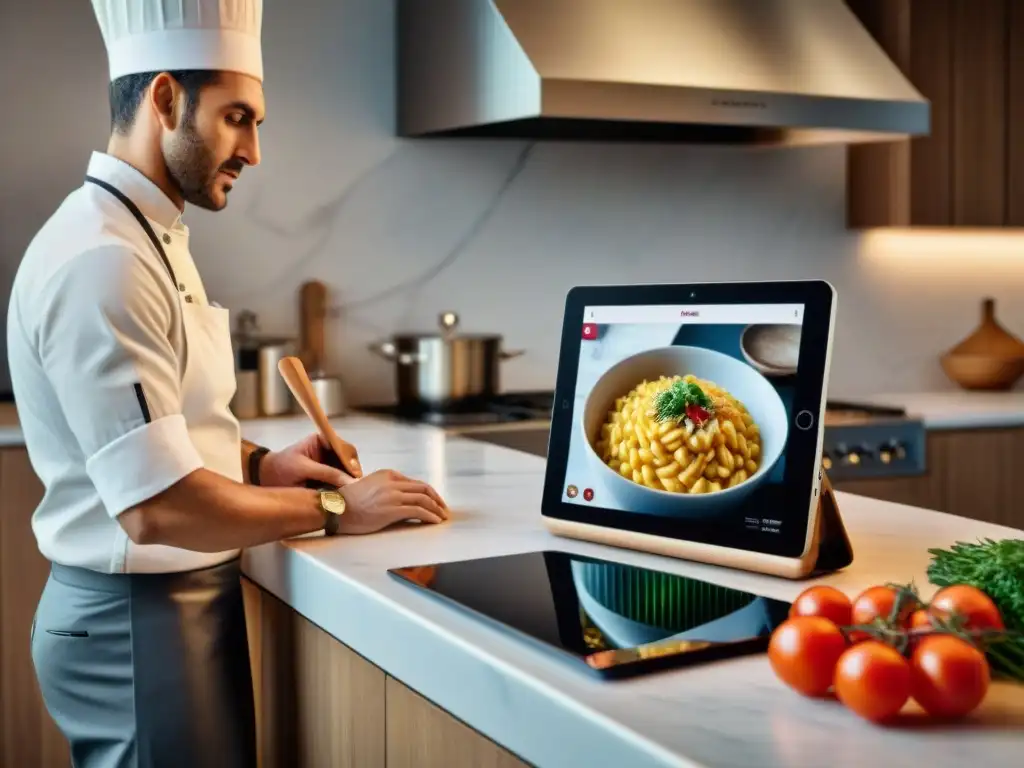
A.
x: 959, y: 409
x: 546, y: 709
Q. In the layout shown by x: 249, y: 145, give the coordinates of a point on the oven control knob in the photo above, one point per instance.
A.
x: 852, y: 457
x: 891, y: 451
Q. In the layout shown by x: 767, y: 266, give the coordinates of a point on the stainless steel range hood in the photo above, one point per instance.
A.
x: 723, y: 71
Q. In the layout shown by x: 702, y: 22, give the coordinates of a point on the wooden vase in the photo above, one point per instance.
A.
x: 991, y: 358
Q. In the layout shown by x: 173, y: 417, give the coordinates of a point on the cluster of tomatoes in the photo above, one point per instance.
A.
x: 887, y: 646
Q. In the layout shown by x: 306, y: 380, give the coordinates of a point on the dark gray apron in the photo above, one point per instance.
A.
x: 147, y: 670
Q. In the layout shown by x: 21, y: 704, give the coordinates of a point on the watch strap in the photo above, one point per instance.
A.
x: 331, y: 523
x: 254, y: 464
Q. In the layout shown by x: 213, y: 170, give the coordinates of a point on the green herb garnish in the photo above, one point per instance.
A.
x: 997, y: 569
x: 671, y: 404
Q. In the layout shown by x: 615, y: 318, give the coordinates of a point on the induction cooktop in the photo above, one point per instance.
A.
x: 608, y: 617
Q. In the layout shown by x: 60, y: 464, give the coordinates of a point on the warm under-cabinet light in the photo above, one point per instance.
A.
x: 940, y: 245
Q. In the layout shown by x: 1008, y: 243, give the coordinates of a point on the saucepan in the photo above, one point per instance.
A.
x: 445, y: 368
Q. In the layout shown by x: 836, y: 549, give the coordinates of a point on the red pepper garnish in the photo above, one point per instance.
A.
x: 697, y: 415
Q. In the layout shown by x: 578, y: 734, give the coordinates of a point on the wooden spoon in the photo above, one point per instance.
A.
x: 295, y: 376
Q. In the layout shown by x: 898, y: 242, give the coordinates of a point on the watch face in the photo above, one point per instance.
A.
x: 332, y: 501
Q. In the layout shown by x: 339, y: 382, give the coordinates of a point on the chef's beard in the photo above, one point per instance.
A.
x: 192, y: 167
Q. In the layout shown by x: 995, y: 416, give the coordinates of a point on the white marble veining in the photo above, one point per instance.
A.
x: 960, y: 409
x: 732, y: 713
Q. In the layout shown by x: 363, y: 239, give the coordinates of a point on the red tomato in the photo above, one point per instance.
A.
x: 949, y: 677
x: 697, y: 414
x: 803, y: 652
x: 827, y: 602
x: 877, y: 602
x: 969, y: 602
x: 920, y: 619
x: 873, y: 680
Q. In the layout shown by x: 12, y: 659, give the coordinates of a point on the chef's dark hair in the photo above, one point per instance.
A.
x: 126, y: 94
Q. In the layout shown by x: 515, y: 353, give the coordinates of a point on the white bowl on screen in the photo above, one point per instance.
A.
x: 736, y: 377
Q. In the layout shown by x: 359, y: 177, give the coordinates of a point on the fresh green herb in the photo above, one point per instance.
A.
x: 997, y: 569
x: 671, y: 404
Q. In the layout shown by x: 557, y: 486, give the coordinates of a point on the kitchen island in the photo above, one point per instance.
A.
x: 352, y: 663
x: 353, y: 668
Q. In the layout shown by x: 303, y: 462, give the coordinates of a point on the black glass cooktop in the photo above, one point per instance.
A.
x: 498, y: 409
x: 615, y: 619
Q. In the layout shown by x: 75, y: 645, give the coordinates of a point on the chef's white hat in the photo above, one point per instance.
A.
x: 165, y: 35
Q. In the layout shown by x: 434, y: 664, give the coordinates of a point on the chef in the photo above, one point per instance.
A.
x: 122, y: 370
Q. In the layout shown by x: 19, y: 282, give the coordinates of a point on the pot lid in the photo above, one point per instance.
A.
x: 247, y: 336
x: 448, y: 322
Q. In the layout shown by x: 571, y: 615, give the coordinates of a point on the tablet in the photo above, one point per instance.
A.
x: 688, y: 420
x: 611, y: 618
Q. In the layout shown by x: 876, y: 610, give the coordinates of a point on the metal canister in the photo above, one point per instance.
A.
x: 256, y: 359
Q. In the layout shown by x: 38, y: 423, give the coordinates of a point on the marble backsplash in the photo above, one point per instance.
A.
x: 497, y: 231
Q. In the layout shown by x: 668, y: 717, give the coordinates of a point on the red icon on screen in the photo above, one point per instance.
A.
x: 571, y: 491
x: 588, y: 494
x: 590, y: 330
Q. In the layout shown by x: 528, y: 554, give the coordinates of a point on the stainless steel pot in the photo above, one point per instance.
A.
x: 436, y: 370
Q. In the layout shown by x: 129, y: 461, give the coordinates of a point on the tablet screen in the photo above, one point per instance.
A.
x: 691, y: 421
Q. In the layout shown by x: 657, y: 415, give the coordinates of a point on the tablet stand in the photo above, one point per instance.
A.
x: 830, y: 548
x: 835, y: 551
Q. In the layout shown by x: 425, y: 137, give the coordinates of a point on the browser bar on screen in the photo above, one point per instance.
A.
x: 720, y: 314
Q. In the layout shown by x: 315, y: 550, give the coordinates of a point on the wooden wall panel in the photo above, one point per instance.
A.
x: 1015, y: 115
x: 931, y: 72
x: 979, y: 120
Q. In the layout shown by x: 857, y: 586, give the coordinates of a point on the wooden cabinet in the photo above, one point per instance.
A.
x: 28, y: 735
x: 967, y: 58
x: 422, y: 735
x: 978, y: 474
x: 321, y: 705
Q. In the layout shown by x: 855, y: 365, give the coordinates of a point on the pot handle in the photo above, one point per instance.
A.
x: 389, y: 352
x: 508, y: 354
x: 385, y: 349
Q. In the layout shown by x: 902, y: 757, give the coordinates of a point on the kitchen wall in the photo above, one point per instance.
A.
x: 496, y: 230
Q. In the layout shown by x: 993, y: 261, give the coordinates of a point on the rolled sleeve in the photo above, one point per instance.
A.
x: 142, y: 463
x: 105, y: 342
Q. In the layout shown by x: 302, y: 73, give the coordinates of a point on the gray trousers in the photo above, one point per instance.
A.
x: 147, y: 670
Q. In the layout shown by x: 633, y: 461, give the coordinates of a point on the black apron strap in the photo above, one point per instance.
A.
x: 134, y: 209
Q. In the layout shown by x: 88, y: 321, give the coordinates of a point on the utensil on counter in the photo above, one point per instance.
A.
x: 294, y: 375
x: 990, y: 358
x: 313, y: 309
x: 445, y: 368
x: 260, y: 391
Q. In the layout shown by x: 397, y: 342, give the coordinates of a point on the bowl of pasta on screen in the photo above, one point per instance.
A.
x: 683, y: 431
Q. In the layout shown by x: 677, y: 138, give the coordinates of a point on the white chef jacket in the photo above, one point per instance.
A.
x: 112, y: 408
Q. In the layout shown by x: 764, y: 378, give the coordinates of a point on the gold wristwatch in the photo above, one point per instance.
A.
x: 332, y: 505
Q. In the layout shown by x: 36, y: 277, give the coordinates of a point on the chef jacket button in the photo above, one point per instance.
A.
x: 181, y: 286
x: 167, y: 239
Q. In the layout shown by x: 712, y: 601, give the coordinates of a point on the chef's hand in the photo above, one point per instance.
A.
x: 386, y: 497
x: 306, y: 460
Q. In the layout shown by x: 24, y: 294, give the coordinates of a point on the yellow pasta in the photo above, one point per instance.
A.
x: 679, y: 455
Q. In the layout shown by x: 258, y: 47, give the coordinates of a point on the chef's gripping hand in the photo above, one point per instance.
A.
x: 309, y: 460
x: 386, y: 497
